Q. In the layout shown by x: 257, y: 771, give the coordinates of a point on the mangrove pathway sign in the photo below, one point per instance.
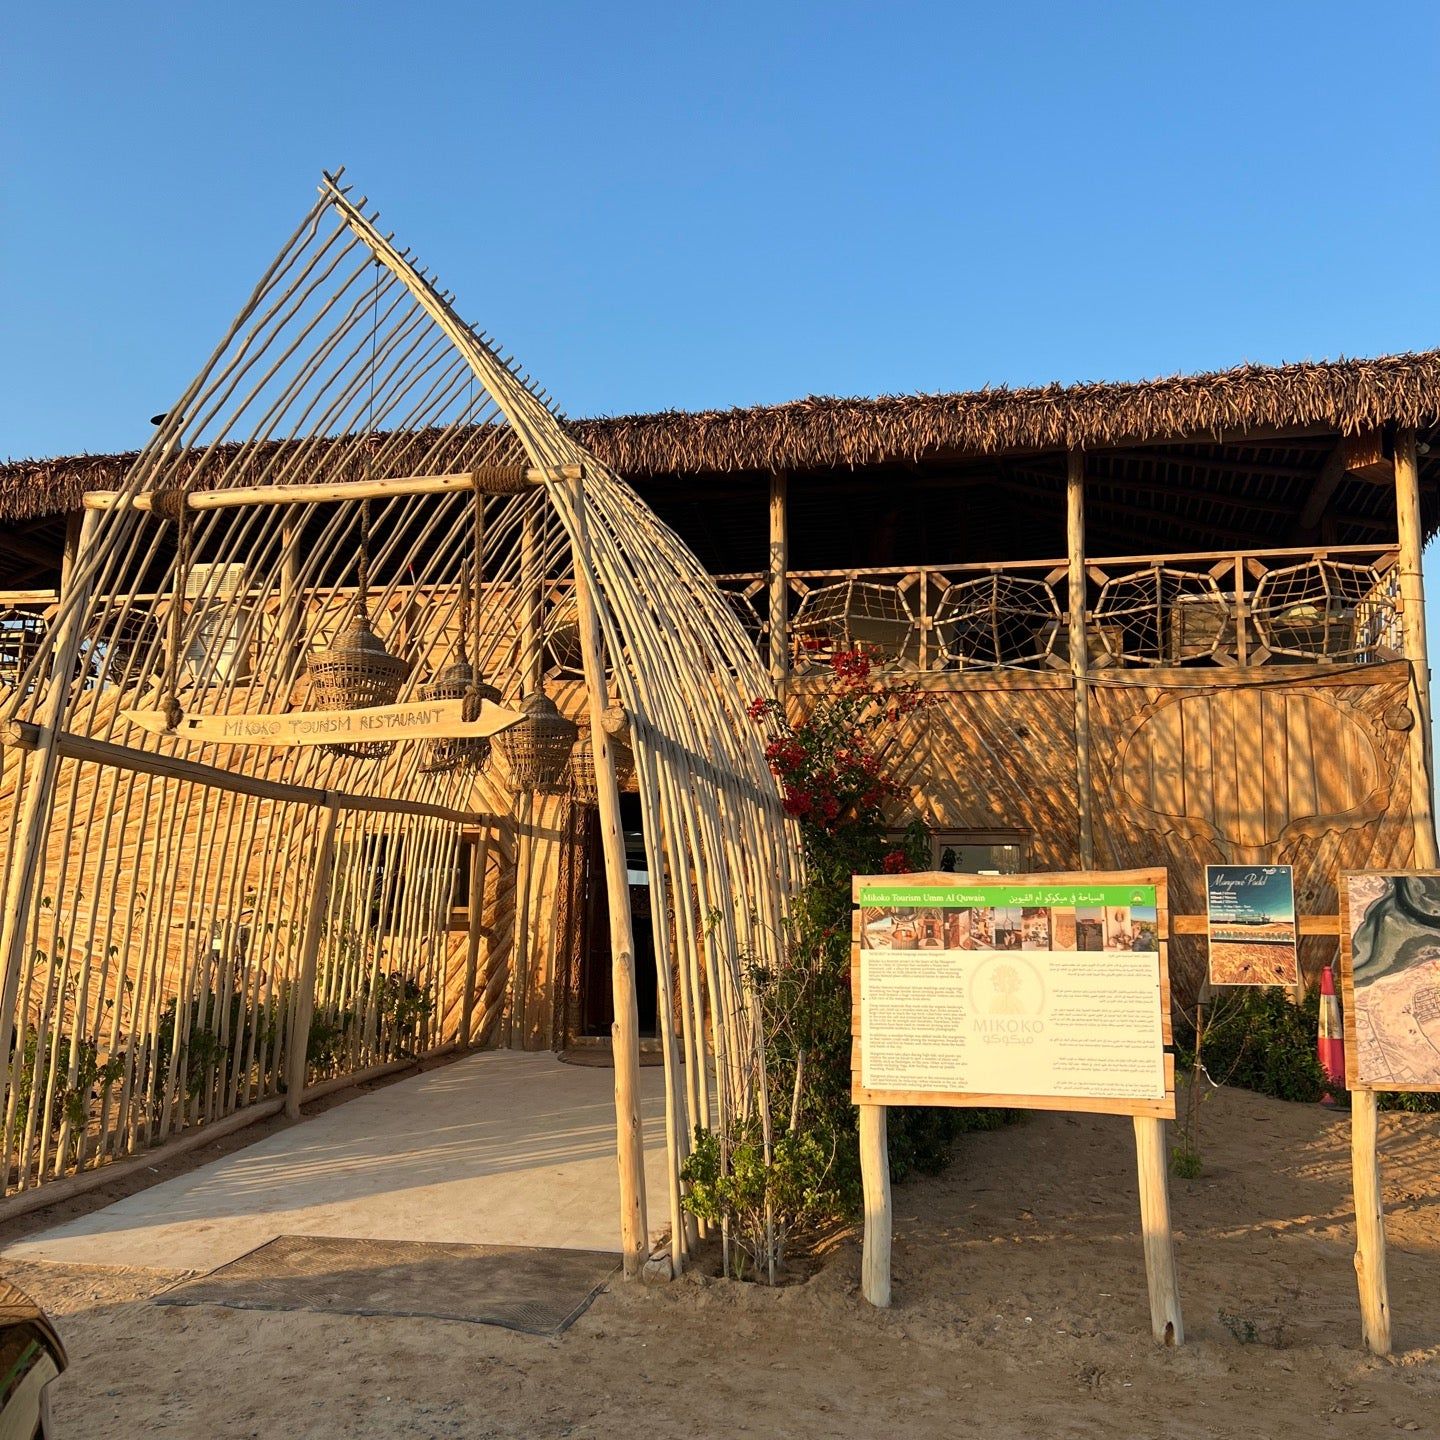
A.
x: 1050, y: 992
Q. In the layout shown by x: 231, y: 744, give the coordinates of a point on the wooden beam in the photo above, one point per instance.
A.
x: 234, y: 497
x: 28, y: 736
x: 1365, y: 456
x: 1079, y: 657
x: 1326, y: 483
x: 1412, y: 618
x: 778, y: 584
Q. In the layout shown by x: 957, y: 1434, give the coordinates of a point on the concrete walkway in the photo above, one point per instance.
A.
x: 499, y: 1148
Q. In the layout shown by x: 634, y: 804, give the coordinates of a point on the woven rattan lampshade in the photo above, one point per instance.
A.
x: 455, y: 683
x: 582, y: 767
x: 537, y: 749
x: 357, y: 672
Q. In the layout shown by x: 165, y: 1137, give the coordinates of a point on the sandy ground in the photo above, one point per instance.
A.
x: 1020, y: 1312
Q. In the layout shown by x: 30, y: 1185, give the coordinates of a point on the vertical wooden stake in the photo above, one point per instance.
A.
x: 304, y: 1009
x: 1369, y: 1221
x: 779, y: 586
x: 27, y: 846
x: 1165, y: 1321
x: 475, y: 930
x: 292, y: 623
x: 1077, y: 644
x: 879, y: 1224
x: 625, y: 1031
x: 1411, y: 537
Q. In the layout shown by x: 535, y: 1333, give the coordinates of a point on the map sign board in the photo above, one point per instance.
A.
x: 1390, y: 979
x: 1250, y: 924
x: 1037, y: 991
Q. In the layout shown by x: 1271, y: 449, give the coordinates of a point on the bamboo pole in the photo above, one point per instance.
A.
x: 779, y: 582
x: 28, y: 736
x: 305, y: 982
x: 875, y: 1178
x: 1078, y: 647
x: 625, y: 1029
x: 474, y: 929
x: 332, y: 491
x: 29, y: 841
x: 1411, y: 538
x: 1370, y: 1274
x: 1161, y: 1280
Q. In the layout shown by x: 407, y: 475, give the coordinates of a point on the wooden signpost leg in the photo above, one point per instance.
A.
x: 1369, y: 1222
x: 1165, y: 1321
x: 875, y: 1177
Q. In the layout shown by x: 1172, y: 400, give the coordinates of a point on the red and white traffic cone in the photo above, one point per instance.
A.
x: 1330, y: 1043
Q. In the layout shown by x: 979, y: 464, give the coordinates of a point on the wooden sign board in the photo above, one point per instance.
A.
x: 416, y: 720
x: 1042, y: 992
x: 1390, y: 978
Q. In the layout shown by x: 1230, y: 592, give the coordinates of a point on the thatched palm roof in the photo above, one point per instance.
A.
x: 1343, y: 396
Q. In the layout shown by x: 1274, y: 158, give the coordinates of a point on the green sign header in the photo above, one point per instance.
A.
x: 971, y: 897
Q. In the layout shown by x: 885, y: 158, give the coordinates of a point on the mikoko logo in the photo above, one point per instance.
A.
x: 1007, y: 995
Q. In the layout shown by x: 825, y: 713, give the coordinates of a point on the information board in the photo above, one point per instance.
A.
x: 1390, y: 979
x: 1041, y: 992
x: 1250, y: 925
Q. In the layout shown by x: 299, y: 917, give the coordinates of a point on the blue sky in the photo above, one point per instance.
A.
x: 681, y: 205
x: 676, y: 205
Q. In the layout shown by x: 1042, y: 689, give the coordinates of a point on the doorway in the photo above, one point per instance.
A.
x: 597, y: 1007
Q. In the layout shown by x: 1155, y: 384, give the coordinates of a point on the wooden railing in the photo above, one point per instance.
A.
x: 1334, y: 606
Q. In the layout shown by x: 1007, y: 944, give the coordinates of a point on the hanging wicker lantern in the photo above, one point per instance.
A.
x: 537, y: 749
x: 456, y: 682
x: 582, y: 765
x: 357, y: 672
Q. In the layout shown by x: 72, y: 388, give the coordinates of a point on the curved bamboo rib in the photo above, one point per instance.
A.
x: 195, y: 928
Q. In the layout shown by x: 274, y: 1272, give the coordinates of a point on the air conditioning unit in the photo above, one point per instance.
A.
x: 219, y: 651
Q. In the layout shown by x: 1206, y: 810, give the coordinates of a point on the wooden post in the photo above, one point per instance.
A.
x: 779, y: 583
x: 1411, y: 538
x: 879, y: 1224
x: 532, y: 670
x: 303, y: 1010
x: 1079, y: 654
x: 1165, y: 1322
x: 532, y: 664
x: 625, y: 1030
x: 292, y: 623
x: 475, y: 930
x: 1369, y: 1222
x: 28, y: 838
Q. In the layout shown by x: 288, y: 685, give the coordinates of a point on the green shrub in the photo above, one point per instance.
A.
x: 1260, y: 1040
x: 68, y: 1102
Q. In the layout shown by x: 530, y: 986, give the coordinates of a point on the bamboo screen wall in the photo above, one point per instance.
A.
x: 195, y: 928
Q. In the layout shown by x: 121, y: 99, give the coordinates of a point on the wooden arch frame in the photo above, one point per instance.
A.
x: 124, y: 846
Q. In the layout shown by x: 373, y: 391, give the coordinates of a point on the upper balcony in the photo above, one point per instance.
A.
x: 1338, y: 606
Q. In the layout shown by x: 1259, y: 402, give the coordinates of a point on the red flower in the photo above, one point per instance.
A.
x: 896, y: 863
